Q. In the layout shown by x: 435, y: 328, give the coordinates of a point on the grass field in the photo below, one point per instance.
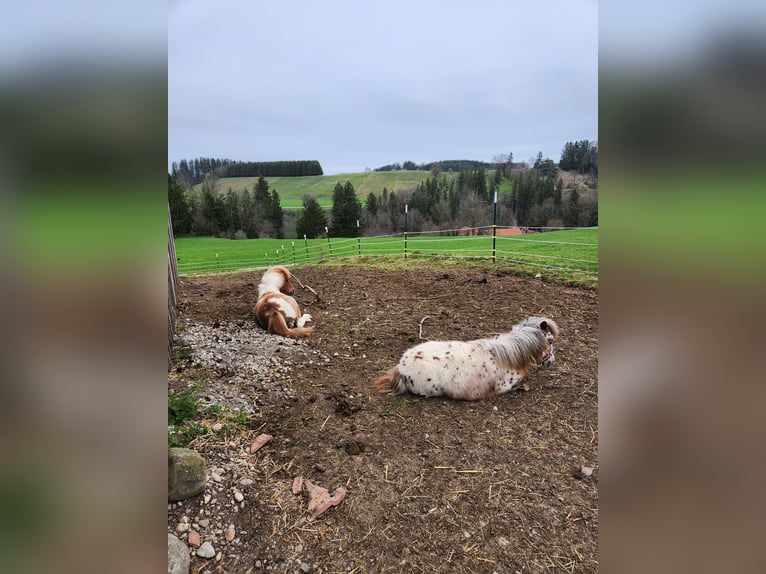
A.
x: 292, y: 189
x: 570, y: 256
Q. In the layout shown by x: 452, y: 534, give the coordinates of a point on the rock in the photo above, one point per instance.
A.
x: 182, y: 527
x: 320, y: 499
x: 585, y: 472
x: 204, y: 523
x: 229, y: 533
x: 206, y: 550
x: 297, y: 485
x: 246, y: 481
x: 259, y: 441
x: 186, y: 474
x: 179, y: 561
x: 238, y: 496
x: 217, y: 427
x: 194, y: 539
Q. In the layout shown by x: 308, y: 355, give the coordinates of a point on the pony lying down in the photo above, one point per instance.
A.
x: 276, y: 311
x: 473, y: 370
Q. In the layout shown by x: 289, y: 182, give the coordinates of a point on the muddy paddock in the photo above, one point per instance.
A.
x: 433, y: 485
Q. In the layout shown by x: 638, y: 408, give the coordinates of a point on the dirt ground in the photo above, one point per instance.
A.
x: 433, y: 485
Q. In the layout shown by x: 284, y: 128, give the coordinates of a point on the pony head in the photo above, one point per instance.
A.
x: 549, y: 330
x: 277, y: 278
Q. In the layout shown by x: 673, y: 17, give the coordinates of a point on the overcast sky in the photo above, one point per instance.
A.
x: 363, y: 84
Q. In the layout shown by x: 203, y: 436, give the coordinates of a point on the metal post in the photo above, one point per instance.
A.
x: 294, y: 263
x: 406, y: 206
x: 306, y: 243
x: 283, y: 254
x: 358, y: 241
x: 328, y: 240
x: 494, y: 231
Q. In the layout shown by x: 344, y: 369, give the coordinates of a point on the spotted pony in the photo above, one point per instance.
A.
x: 473, y: 370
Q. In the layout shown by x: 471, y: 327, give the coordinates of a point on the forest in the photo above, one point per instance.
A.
x: 545, y: 194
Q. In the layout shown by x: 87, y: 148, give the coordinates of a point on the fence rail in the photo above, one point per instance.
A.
x: 535, y: 250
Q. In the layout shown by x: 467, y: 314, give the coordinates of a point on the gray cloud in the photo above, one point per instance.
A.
x: 358, y: 85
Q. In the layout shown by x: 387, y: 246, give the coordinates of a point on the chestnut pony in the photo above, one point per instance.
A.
x: 473, y: 370
x: 276, y: 311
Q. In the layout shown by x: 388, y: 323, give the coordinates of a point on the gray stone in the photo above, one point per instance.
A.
x: 179, y: 560
x: 206, y: 550
x: 186, y: 473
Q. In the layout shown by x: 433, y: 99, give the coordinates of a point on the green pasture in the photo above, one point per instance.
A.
x: 569, y: 256
x: 292, y: 189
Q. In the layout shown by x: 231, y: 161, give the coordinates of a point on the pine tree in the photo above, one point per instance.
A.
x: 261, y: 191
x: 557, y: 193
x: 346, y: 211
x: 372, y: 204
x: 572, y: 212
x: 180, y: 210
x: 262, y: 205
x: 312, y: 220
x: 276, y: 215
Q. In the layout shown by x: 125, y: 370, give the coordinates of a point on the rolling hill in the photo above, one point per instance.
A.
x: 292, y: 189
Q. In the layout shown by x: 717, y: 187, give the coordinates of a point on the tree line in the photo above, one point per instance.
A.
x: 527, y: 196
x: 237, y: 214
x: 580, y: 156
x: 195, y: 171
x: 445, y: 165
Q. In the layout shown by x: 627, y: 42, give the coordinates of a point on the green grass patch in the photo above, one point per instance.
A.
x: 292, y: 189
x: 568, y: 256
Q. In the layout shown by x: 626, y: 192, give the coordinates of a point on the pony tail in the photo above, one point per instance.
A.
x: 390, y: 383
x: 278, y: 326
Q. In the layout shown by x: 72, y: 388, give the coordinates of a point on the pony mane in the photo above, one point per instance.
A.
x: 519, y: 349
x: 524, y: 345
x: 550, y: 325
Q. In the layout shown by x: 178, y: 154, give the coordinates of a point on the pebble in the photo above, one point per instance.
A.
x: 246, y: 481
x: 182, y: 527
x: 586, y: 471
x: 258, y: 564
x: 206, y: 550
x: 206, y: 499
x: 194, y: 539
x: 217, y: 427
x: 204, y: 523
x: 215, y: 476
x: 238, y: 496
x: 230, y: 532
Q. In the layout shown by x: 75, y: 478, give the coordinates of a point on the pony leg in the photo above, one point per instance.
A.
x: 278, y: 326
x: 305, y: 318
x: 509, y: 384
